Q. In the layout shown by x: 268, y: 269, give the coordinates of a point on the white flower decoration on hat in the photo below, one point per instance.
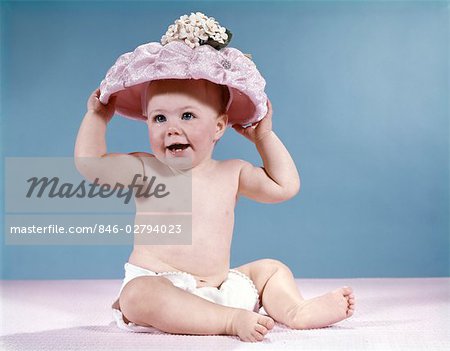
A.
x: 197, y: 29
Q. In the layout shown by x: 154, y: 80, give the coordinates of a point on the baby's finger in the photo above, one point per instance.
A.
x: 246, y: 132
x: 269, y: 109
x: 240, y: 129
x: 96, y: 92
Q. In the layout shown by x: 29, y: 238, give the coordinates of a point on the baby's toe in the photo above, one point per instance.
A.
x: 257, y: 336
x: 261, y: 329
x: 350, y: 309
x: 266, y: 322
x: 350, y: 313
x: 346, y: 290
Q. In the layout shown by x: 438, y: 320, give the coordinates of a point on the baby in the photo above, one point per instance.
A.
x: 190, y: 289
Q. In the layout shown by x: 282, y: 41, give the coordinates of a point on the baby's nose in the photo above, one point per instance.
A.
x: 173, y: 130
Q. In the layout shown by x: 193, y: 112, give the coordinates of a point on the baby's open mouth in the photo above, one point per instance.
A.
x: 174, y: 148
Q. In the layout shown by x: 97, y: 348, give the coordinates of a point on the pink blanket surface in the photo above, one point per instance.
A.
x: 391, y: 314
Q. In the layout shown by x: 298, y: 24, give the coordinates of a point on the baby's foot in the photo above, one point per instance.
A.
x: 323, y: 310
x: 249, y: 326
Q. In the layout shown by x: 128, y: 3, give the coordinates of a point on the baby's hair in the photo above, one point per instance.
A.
x: 224, y: 98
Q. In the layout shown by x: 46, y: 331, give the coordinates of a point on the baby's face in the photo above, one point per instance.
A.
x: 184, y: 120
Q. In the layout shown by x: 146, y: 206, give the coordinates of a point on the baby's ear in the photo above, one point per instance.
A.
x: 221, y: 126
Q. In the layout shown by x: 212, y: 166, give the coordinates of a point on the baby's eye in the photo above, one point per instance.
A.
x: 187, y: 116
x: 159, y: 118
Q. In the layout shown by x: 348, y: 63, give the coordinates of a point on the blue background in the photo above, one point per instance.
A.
x: 360, y: 94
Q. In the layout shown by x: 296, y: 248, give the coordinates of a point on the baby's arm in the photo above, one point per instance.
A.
x: 278, y: 180
x: 91, y: 157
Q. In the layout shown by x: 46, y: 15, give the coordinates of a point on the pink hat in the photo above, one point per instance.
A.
x: 188, y: 53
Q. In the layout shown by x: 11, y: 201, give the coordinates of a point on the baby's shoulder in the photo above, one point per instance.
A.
x: 141, y: 154
x: 232, y: 165
x: 235, y: 162
x: 148, y: 161
x: 145, y: 157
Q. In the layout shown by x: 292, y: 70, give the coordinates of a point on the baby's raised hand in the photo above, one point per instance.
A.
x: 257, y: 130
x: 105, y: 111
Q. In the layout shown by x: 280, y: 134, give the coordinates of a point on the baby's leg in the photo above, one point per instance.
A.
x: 155, y: 301
x: 283, y: 302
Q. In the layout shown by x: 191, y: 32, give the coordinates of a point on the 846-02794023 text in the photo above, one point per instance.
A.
x: 99, y: 229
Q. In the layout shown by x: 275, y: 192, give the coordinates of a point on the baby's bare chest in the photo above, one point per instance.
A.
x: 213, y: 197
x: 212, y: 208
x: 213, y: 205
